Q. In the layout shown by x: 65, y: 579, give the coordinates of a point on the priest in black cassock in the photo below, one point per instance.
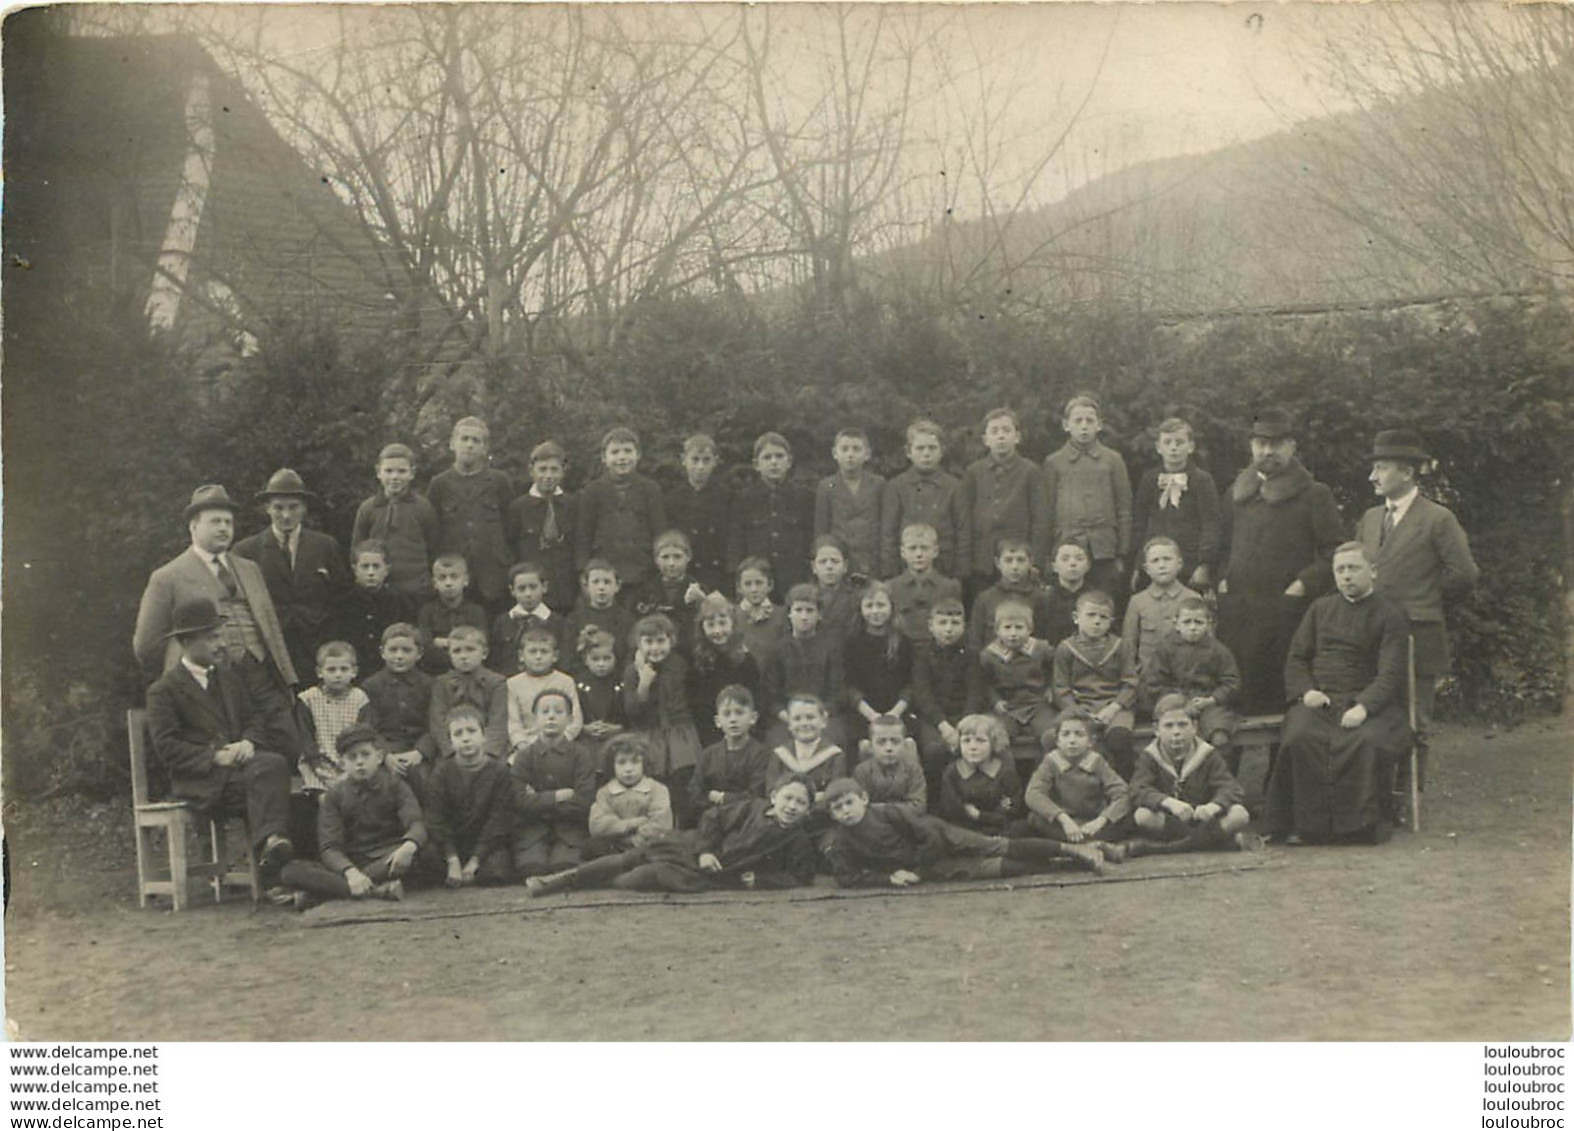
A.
x: 1347, y: 723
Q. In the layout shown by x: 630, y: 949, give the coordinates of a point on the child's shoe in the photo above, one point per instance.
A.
x: 304, y: 900
x: 1248, y: 842
x: 1084, y: 856
x: 1114, y: 853
x: 393, y: 889
x: 546, y: 885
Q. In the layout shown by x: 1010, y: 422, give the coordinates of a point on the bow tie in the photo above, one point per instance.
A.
x: 1172, y: 485
x: 540, y: 612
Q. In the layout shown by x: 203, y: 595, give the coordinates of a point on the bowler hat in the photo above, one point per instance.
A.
x: 285, y: 483
x: 1400, y: 443
x: 195, y: 614
x: 209, y: 497
x: 1272, y: 424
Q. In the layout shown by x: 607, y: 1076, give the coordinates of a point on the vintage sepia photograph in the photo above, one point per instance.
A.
x: 854, y: 522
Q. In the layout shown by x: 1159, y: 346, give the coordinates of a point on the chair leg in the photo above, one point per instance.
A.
x: 177, y: 862
x: 251, y: 865
x: 1415, y: 790
x: 218, y: 857
x: 144, y: 863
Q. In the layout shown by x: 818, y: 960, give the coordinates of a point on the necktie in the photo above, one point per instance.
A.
x: 550, y: 534
x: 226, y: 578
x: 1388, y: 524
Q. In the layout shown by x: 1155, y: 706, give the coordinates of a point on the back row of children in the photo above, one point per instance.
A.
x: 1082, y: 491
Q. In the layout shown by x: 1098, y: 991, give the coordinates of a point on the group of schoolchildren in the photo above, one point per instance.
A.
x: 677, y: 689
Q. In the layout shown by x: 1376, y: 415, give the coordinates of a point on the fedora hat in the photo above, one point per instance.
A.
x: 1400, y: 443
x: 1272, y: 424
x: 209, y: 497
x: 285, y: 483
x: 195, y: 614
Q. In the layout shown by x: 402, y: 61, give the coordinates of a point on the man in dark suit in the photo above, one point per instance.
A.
x: 305, y: 570
x: 209, y: 737
x: 1421, y: 555
x: 254, y: 646
x: 1281, y: 526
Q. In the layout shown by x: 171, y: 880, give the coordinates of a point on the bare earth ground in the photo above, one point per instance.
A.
x: 1460, y: 932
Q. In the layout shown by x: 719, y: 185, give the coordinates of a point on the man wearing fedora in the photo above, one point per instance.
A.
x: 207, y: 734
x: 1421, y: 555
x: 304, y: 570
x: 253, y: 641
x: 1281, y: 526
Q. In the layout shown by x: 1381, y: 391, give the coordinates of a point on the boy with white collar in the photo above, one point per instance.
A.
x: 1185, y: 798
x: 542, y: 520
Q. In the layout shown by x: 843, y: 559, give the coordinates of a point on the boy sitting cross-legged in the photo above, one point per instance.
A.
x: 1185, y: 797
x: 734, y: 768
x: 890, y: 771
x: 890, y: 845
x: 632, y: 809
x: 981, y: 789
x: 1074, y: 795
x: 469, y: 807
x: 554, y: 785
x: 369, y: 829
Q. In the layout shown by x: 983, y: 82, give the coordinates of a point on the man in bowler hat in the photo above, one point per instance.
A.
x: 253, y: 641
x: 1281, y: 526
x: 1421, y: 555
x: 207, y: 734
x: 304, y: 570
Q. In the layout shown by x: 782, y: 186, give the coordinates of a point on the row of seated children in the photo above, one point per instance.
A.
x: 539, y: 817
x: 1082, y: 492
x: 870, y: 670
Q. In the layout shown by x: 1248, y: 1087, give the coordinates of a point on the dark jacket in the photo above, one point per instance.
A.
x: 304, y: 596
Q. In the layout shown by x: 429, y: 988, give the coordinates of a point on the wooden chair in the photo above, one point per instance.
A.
x: 220, y: 866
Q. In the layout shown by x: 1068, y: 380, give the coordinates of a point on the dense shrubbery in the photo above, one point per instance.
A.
x: 106, y: 436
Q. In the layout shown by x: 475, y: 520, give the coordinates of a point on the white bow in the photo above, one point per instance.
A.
x: 1172, y: 485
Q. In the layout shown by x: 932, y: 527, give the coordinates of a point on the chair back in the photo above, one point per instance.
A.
x: 137, y: 739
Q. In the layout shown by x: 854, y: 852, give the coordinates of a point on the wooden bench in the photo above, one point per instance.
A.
x: 219, y: 865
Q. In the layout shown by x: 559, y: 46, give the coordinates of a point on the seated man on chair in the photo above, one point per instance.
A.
x: 207, y: 734
x: 1347, y: 725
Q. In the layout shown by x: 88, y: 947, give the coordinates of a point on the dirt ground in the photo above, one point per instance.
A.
x: 1459, y: 932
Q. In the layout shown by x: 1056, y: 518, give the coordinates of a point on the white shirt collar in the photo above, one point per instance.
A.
x: 1402, y: 504
x: 198, y: 674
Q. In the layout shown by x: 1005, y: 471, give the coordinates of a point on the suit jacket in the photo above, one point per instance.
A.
x: 188, y: 724
x: 188, y: 576
x: 1426, y: 556
x: 303, y: 596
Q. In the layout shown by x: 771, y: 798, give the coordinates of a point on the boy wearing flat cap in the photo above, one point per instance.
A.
x: 1421, y: 555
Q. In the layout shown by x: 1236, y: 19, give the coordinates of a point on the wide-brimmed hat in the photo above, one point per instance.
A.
x: 209, y: 497
x: 1400, y: 443
x: 195, y: 614
x: 1272, y: 424
x: 285, y: 483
